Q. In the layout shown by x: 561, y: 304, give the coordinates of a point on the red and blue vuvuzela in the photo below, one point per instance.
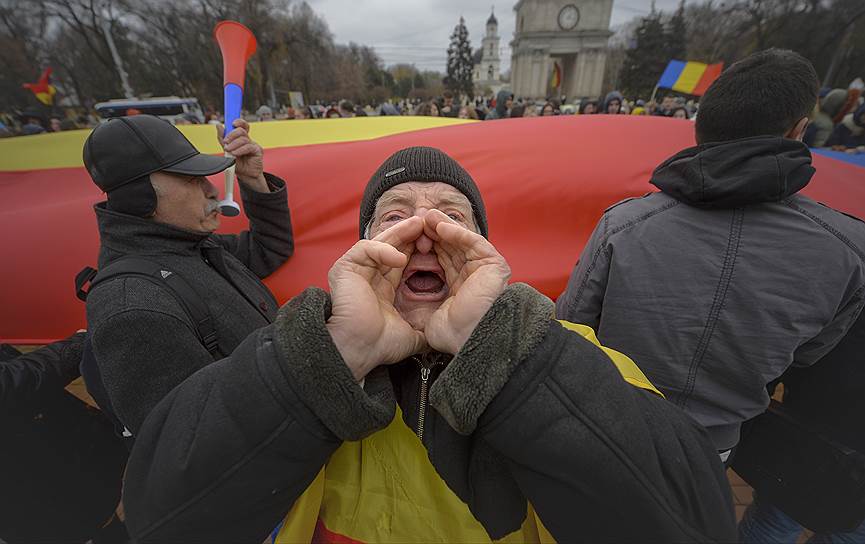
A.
x: 545, y: 181
x: 237, y: 44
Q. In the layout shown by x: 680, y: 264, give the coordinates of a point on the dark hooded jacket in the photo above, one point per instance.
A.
x: 143, y: 340
x: 612, y: 95
x: 501, y: 111
x: 724, y: 279
x: 526, y: 412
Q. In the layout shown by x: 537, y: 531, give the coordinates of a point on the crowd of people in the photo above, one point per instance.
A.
x: 837, y: 121
x: 424, y: 397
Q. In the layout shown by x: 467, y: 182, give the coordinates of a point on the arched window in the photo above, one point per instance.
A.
x: 490, y: 72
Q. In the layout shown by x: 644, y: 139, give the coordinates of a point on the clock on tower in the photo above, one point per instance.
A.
x: 569, y: 17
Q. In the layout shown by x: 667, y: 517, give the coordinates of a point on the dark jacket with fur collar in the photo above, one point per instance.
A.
x: 143, y: 340
x: 526, y: 411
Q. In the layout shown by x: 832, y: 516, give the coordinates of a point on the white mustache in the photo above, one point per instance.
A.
x: 212, y: 206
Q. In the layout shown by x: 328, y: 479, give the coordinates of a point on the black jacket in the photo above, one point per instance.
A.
x: 143, y: 340
x: 830, y: 396
x: 526, y: 411
x: 28, y: 381
x: 60, y: 461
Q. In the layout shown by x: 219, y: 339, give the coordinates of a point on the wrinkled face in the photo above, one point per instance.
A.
x: 423, y: 286
x: 186, y: 202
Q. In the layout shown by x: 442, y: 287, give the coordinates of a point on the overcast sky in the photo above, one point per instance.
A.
x: 418, y: 31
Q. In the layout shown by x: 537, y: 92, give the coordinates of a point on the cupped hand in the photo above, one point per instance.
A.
x: 476, y: 274
x: 365, y: 327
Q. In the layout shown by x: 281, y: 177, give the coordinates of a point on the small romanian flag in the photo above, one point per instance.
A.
x: 689, y: 77
x: 556, y: 79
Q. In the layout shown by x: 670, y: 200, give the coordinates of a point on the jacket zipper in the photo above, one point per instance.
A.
x: 425, y: 371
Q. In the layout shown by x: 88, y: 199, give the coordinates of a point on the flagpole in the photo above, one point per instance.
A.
x: 653, y: 94
x: 118, y: 62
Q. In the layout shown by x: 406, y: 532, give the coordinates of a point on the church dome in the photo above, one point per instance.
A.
x: 492, y: 20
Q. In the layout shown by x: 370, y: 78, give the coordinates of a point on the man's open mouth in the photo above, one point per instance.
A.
x: 425, y: 282
x: 424, y: 285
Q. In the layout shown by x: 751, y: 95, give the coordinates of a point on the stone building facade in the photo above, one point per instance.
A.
x: 570, y: 34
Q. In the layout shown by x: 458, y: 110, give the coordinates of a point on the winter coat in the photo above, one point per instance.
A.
x: 612, y: 95
x: 143, y: 340
x: 61, y: 463
x: 850, y: 132
x: 528, y: 412
x: 501, y: 110
x: 830, y: 395
x: 28, y: 381
x: 724, y: 279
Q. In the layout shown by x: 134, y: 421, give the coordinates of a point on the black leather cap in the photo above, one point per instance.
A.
x: 126, y: 149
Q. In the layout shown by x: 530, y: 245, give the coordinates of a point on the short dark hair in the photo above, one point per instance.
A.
x: 347, y: 105
x: 764, y: 94
x: 448, y: 94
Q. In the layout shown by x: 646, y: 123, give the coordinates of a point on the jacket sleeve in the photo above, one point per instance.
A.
x: 598, y: 458
x: 224, y: 456
x: 27, y: 380
x: 269, y: 242
x: 583, y: 298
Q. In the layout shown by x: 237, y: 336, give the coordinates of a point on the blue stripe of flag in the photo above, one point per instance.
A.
x: 671, y: 74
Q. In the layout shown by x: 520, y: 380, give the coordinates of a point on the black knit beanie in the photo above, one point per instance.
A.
x: 421, y: 164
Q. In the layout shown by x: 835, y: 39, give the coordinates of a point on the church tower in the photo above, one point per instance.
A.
x: 490, y: 61
x: 487, y: 62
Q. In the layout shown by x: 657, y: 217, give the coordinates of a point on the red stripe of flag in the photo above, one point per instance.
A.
x: 709, y: 76
x: 323, y: 535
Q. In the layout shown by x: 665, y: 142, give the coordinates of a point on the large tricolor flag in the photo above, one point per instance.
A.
x: 689, y: 77
x: 545, y: 181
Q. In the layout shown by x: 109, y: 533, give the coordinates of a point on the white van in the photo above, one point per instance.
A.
x: 170, y: 108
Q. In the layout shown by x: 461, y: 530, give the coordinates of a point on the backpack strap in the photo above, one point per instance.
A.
x: 188, y: 297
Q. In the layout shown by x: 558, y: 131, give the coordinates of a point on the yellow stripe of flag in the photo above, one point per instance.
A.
x: 64, y: 149
x: 689, y: 77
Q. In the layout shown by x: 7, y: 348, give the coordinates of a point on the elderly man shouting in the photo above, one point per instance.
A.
x: 423, y: 400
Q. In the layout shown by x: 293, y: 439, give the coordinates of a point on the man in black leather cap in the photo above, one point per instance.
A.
x: 162, y: 208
